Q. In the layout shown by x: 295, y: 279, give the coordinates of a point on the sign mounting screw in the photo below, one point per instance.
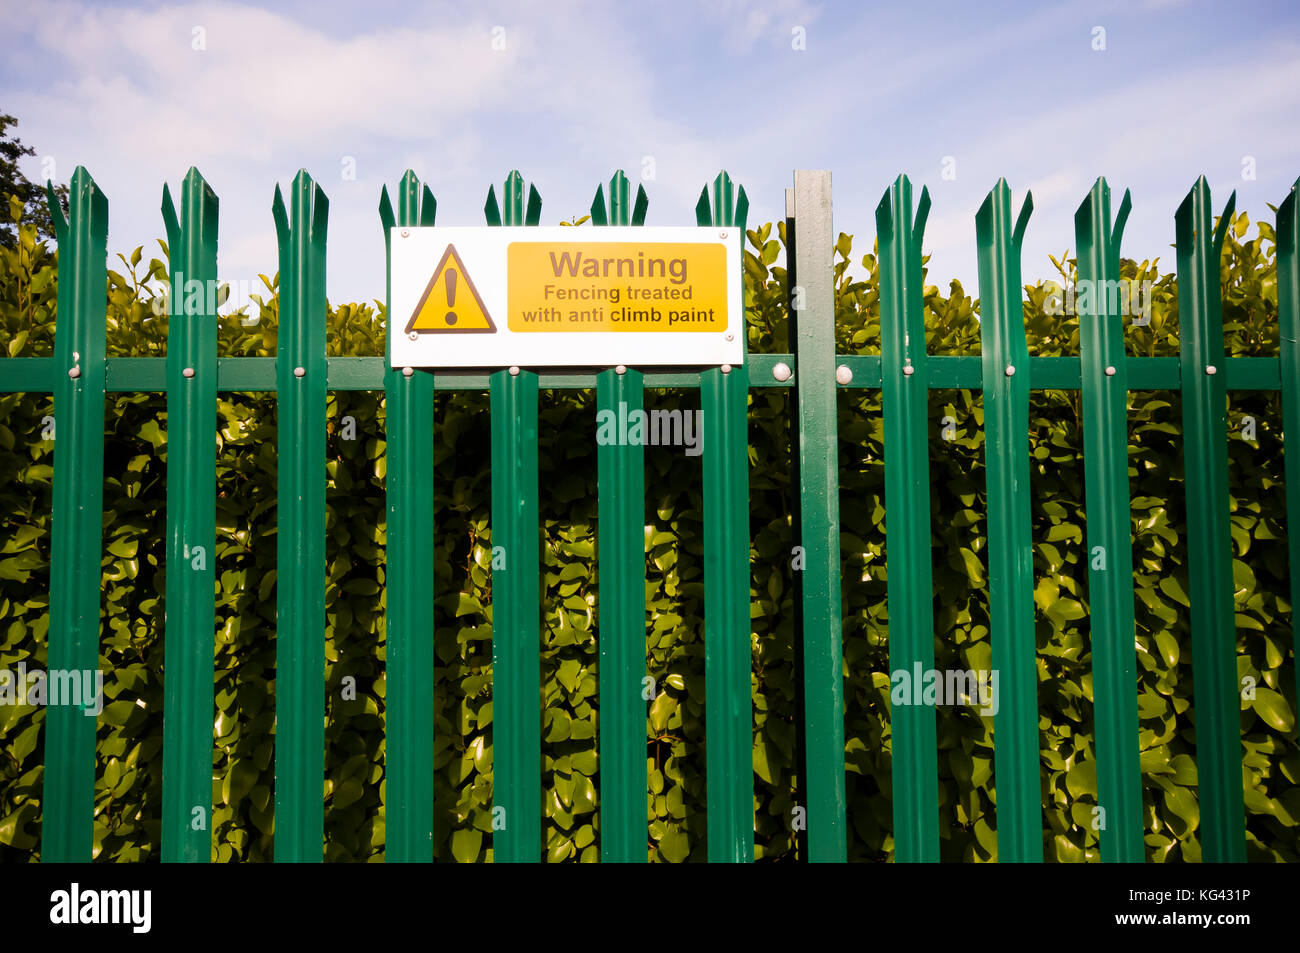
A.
x: 406, y: 233
x: 413, y: 336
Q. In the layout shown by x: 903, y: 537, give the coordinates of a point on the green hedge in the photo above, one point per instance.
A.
x: 128, y: 794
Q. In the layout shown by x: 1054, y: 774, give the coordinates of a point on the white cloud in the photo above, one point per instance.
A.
x: 582, y: 88
x: 138, y: 105
x: 744, y: 24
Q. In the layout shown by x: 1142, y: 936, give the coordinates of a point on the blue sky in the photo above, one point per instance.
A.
x: 579, y: 89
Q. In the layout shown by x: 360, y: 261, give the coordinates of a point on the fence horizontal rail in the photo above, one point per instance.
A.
x: 947, y: 371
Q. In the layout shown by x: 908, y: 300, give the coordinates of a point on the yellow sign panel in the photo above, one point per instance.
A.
x: 450, y: 303
x: 613, y: 286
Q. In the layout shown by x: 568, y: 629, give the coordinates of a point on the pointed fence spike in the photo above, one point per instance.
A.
x: 281, y: 215
x: 1225, y: 222
x: 598, y: 216
x: 922, y: 215
x: 642, y: 203
x: 703, y: 215
x: 320, y: 208
x: 1022, y: 222
x: 1121, y: 219
x: 534, y: 214
x: 171, y: 223
x: 56, y: 213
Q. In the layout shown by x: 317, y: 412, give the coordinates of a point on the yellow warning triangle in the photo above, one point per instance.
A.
x: 450, y: 303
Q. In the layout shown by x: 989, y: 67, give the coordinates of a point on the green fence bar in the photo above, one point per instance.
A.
x: 408, y: 577
x: 1288, y: 316
x: 300, y: 531
x: 758, y: 377
x: 516, y: 587
x: 907, y: 517
x: 812, y: 337
x: 76, y: 543
x: 1005, y: 362
x: 728, y: 657
x: 1110, y: 551
x: 190, y: 626
x: 1205, y: 460
x: 621, y: 571
x: 516, y: 619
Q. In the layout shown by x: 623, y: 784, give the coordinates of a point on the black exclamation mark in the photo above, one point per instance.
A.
x: 451, y: 295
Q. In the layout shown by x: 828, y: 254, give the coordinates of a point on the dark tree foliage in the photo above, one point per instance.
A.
x: 14, y: 183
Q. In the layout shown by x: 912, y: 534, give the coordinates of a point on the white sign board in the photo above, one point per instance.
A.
x: 566, y: 297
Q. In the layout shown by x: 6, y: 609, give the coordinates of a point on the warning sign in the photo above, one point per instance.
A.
x: 440, y: 312
x: 566, y: 297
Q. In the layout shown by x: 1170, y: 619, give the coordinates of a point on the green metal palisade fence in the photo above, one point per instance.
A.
x: 79, y: 376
